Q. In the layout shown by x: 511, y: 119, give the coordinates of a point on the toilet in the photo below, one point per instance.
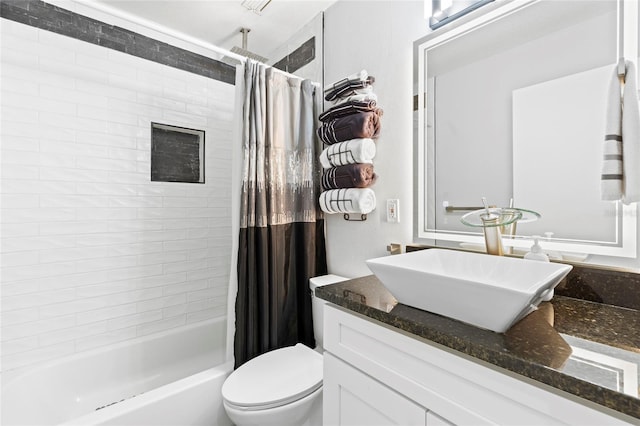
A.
x: 283, y: 386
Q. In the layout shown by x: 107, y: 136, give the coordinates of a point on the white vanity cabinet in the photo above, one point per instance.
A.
x: 378, y: 375
x: 355, y: 398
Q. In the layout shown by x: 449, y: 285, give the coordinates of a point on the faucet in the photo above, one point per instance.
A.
x: 495, y: 223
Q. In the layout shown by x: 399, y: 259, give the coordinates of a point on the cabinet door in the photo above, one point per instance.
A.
x: 352, y: 398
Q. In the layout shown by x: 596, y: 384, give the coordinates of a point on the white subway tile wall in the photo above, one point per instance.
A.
x: 91, y: 251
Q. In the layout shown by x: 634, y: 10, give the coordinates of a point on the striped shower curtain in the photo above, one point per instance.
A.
x: 281, y: 238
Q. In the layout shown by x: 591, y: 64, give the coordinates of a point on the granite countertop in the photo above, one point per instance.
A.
x: 579, y: 346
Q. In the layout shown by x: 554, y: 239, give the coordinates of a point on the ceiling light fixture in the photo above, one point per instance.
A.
x: 256, y: 6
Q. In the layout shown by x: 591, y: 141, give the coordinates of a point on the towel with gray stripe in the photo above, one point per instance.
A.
x: 348, y: 152
x: 364, y: 124
x: 349, y: 176
x: 349, y: 200
x: 348, y: 108
x: 620, y: 178
x: 358, y: 83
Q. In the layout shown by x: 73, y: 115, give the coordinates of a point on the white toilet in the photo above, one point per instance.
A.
x: 284, y: 386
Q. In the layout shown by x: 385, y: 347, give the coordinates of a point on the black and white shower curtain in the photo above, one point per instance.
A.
x: 281, y: 238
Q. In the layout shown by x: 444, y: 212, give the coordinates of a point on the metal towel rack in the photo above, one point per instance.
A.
x: 348, y: 217
x: 450, y: 209
x: 621, y: 60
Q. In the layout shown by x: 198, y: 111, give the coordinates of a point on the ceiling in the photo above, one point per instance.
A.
x: 219, y: 21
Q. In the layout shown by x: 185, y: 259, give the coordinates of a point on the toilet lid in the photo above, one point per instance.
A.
x: 274, y: 378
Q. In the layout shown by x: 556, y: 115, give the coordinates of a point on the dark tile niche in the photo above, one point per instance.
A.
x: 177, y: 154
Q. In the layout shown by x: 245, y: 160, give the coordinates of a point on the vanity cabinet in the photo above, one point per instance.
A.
x: 378, y: 375
x: 354, y: 398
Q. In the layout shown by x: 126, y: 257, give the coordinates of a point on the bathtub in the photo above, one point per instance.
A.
x: 170, y: 379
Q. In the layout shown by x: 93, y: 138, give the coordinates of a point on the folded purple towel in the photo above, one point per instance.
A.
x: 352, y: 126
x: 349, y: 176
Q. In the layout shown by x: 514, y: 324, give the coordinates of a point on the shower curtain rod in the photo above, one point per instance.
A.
x: 287, y: 74
x: 243, y: 59
x: 101, y: 7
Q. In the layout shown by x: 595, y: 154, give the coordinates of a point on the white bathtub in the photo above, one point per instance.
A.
x: 171, y: 379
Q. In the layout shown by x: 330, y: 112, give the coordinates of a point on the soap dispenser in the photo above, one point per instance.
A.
x: 536, y: 252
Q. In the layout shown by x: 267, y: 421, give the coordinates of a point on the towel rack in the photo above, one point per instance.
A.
x: 621, y: 69
x: 621, y: 60
x: 450, y: 209
x: 362, y: 218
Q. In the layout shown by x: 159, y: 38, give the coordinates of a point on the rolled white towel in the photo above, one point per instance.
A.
x: 348, y: 152
x: 349, y: 200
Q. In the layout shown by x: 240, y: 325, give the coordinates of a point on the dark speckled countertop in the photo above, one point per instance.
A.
x: 586, y: 348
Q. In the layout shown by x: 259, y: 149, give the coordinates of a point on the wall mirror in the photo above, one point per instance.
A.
x: 442, y: 12
x: 511, y: 106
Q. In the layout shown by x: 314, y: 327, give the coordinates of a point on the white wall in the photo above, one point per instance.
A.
x: 377, y: 37
x: 92, y: 252
x: 312, y: 70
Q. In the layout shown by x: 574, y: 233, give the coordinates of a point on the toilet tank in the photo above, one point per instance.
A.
x: 317, y: 303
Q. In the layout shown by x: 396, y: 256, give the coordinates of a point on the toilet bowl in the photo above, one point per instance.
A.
x: 283, y: 386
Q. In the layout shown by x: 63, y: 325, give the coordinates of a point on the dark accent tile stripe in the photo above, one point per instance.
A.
x: 40, y: 14
x: 299, y: 57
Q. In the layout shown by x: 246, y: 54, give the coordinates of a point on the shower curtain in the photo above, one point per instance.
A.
x: 281, y: 239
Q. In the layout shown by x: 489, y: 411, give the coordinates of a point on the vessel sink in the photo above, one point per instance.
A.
x: 491, y: 292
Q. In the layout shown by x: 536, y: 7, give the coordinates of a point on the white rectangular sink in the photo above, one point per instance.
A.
x: 491, y: 292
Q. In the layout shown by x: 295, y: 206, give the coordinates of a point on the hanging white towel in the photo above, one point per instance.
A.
x: 621, y: 149
x: 631, y: 136
x: 348, y: 152
x: 611, y: 187
x: 349, y: 200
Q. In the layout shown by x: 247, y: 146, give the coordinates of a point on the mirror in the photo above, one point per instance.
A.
x: 511, y: 107
x: 442, y: 12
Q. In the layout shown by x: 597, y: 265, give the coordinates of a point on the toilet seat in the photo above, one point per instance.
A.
x: 274, y: 379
